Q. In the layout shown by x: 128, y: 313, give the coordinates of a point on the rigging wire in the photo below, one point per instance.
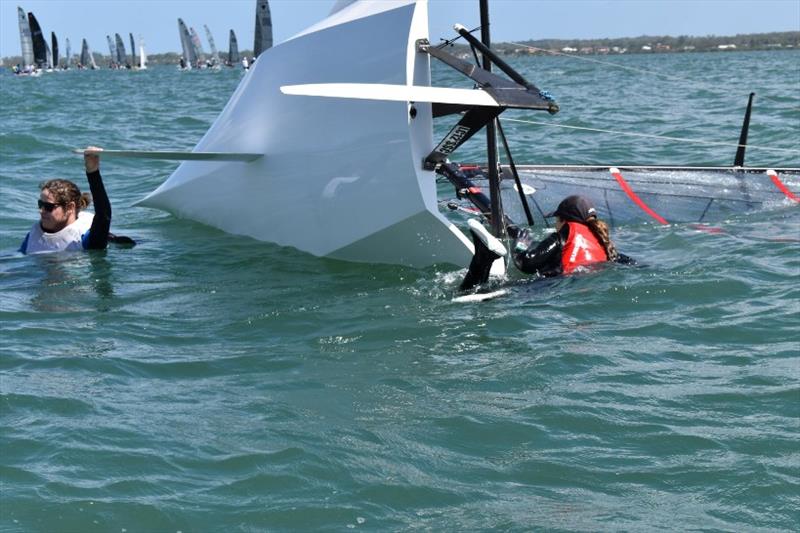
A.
x: 652, y: 136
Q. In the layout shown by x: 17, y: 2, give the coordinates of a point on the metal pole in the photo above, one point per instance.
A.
x: 498, y: 228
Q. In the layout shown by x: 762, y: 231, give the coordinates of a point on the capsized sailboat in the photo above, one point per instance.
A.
x: 326, y: 163
x: 313, y: 176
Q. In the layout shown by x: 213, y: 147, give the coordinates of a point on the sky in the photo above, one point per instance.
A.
x: 511, y: 20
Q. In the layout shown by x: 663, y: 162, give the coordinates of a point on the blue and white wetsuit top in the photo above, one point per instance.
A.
x: 71, y: 238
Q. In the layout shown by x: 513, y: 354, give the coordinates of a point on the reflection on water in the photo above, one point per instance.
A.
x: 69, y: 280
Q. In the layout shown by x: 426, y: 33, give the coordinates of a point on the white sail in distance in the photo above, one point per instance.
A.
x: 142, y: 55
x: 214, y: 52
x: 26, y: 42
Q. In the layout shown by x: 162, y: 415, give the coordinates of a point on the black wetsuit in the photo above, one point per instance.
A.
x: 98, y: 233
x: 544, y: 258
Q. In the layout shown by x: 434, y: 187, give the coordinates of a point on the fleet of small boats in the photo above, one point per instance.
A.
x: 38, y: 56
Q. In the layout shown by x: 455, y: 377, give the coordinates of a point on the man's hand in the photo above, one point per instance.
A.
x: 92, y: 160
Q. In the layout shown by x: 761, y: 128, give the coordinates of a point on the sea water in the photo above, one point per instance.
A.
x: 208, y: 382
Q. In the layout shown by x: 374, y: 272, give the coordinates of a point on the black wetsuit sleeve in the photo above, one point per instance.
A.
x: 544, y: 258
x: 98, y: 233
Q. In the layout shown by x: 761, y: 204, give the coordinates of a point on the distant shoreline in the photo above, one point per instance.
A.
x: 624, y: 45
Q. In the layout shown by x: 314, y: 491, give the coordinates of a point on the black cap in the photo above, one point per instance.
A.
x: 575, y: 208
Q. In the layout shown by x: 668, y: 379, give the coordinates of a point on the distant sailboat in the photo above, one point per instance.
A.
x: 122, y: 57
x: 233, y: 50
x: 112, y: 53
x: 133, y: 52
x: 198, y: 49
x: 263, y: 34
x: 55, y: 50
x: 142, y: 55
x: 68, y: 57
x: 189, y: 57
x: 87, y: 58
x: 214, y: 54
x: 39, y: 44
x: 26, y: 41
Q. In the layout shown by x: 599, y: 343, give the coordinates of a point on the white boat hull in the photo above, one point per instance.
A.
x: 339, y: 178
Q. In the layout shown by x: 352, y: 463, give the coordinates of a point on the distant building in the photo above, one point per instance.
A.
x: 726, y: 47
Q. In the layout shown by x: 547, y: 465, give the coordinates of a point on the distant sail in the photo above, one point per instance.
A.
x: 186, y: 44
x: 263, y: 35
x: 214, y: 53
x: 87, y: 58
x: 133, y: 51
x: 39, y: 44
x: 68, y: 57
x: 233, y: 50
x: 49, y: 56
x: 142, y: 55
x: 26, y: 42
x: 55, y: 48
x: 112, y: 51
x: 198, y: 46
x: 122, y: 57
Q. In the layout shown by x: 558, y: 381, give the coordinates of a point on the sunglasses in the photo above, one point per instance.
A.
x: 47, y: 206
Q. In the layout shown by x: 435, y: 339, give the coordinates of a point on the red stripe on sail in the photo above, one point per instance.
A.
x: 632, y: 195
x: 780, y: 185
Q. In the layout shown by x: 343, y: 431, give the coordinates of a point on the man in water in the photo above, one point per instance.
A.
x: 63, y: 223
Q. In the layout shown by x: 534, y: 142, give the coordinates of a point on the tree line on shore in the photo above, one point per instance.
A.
x: 788, y: 40
x: 657, y: 44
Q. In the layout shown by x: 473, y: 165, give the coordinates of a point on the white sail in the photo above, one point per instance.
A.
x: 214, y: 53
x: 26, y: 42
x: 69, y: 54
x: 339, y: 178
x: 112, y: 51
x: 142, y: 55
x: 263, y: 32
x: 49, y: 57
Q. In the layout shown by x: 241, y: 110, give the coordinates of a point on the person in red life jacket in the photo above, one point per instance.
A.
x: 63, y: 223
x: 580, y: 239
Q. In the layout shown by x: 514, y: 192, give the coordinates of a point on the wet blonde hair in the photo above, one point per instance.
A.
x: 600, y: 230
x: 64, y: 192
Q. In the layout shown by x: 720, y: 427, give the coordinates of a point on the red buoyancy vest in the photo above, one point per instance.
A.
x: 582, y: 248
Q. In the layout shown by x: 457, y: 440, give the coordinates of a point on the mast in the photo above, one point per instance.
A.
x: 498, y: 228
